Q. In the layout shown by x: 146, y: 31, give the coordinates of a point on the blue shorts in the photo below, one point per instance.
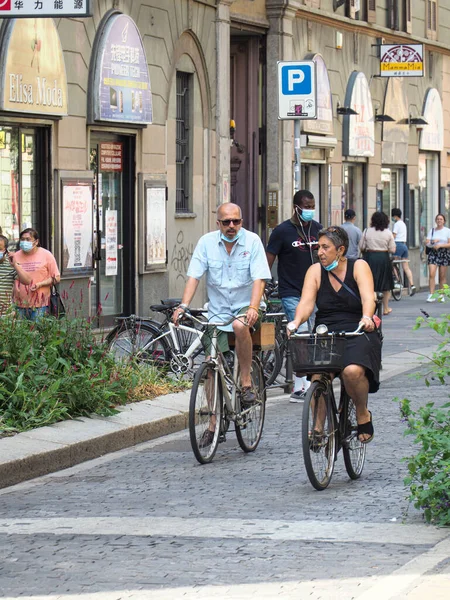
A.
x: 401, y: 250
x: 32, y: 314
x: 289, y: 306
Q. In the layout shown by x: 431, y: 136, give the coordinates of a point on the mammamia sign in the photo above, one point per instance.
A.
x: 32, y: 69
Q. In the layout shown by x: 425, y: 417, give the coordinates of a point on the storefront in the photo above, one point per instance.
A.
x: 394, y: 149
x: 119, y: 97
x: 431, y: 144
x: 33, y: 95
x: 358, y: 145
x: 318, y: 142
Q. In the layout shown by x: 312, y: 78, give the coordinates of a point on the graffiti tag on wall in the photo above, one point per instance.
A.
x: 181, y: 257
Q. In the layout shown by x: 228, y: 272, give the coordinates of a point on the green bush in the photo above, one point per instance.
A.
x: 56, y: 369
x: 429, y: 470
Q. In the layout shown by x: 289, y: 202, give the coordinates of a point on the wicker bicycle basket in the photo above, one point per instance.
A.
x: 317, y: 354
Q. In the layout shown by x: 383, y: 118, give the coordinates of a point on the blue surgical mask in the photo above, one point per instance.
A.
x: 307, y: 214
x: 332, y: 266
x: 230, y: 240
x: 26, y: 246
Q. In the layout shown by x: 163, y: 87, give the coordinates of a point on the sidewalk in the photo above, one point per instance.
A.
x: 48, y: 449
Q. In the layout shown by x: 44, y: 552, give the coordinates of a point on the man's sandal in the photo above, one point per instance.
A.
x: 366, y: 429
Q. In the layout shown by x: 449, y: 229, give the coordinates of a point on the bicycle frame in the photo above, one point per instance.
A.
x: 172, y: 333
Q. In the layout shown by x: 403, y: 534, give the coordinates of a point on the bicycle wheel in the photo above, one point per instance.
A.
x: 250, y: 421
x: 205, y: 412
x: 138, y: 342
x: 354, y: 451
x: 271, y: 363
x: 398, y: 285
x: 318, y: 436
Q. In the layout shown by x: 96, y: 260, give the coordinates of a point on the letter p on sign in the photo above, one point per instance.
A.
x: 296, y: 80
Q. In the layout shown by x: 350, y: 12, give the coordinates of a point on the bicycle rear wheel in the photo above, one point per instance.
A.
x: 271, y: 362
x: 205, y: 412
x: 137, y: 342
x: 318, y: 435
x: 398, y: 284
x: 354, y: 451
x: 250, y: 421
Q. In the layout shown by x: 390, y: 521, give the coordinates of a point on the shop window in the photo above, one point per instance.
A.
x: 183, y: 142
x: 431, y: 19
x: 19, y: 206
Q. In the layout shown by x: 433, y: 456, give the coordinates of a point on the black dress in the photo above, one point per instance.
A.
x: 341, y: 311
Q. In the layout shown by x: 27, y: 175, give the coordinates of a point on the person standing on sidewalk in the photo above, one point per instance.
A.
x: 8, y: 274
x: 401, y: 249
x: 354, y: 233
x: 294, y: 243
x: 438, y: 243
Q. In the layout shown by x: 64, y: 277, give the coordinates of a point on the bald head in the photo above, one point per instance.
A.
x: 228, y: 210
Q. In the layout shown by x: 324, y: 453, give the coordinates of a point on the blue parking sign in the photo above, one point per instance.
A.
x: 296, y: 80
x: 297, y: 90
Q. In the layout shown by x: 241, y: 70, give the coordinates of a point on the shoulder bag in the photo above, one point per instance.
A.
x: 429, y: 250
x: 57, y: 308
x: 376, y: 319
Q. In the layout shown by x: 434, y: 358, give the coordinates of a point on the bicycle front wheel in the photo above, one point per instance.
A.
x: 398, y: 285
x: 139, y: 342
x: 205, y: 412
x: 354, y: 451
x: 318, y: 436
x: 250, y: 420
x: 271, y: 363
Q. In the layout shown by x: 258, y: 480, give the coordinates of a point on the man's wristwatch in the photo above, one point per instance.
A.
x: 291, y: 327
x: 183, y: 306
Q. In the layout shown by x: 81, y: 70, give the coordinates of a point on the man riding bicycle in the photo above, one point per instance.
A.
x: 236, y: 269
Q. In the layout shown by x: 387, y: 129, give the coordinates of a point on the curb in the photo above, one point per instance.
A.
x: 68, y: 443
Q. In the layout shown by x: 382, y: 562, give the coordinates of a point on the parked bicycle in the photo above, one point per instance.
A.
x: 398, y: 276
x: 326, y: 426
x: 216, y: 401
x: 272, y: 360
x: 178, y: 349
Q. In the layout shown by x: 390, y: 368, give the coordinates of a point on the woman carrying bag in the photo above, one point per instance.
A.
x: 438, y: 255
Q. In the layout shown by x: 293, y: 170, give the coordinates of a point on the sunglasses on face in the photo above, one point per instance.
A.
x: 226, y: 222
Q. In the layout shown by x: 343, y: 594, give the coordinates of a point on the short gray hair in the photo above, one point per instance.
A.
x: 337, y: 235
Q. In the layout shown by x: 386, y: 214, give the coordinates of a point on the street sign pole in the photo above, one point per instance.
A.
x: 297, y: 155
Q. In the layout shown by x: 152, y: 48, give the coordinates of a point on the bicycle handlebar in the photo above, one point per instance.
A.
x: 214, y: 324
x: 358, y: 331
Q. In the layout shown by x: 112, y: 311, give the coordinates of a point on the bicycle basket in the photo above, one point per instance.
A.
x: 317, y: 354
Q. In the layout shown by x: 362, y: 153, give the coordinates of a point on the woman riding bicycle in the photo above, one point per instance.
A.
x: 344, y: 293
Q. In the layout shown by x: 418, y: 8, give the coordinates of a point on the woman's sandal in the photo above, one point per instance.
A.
x: 387, y: 312
x: 366, y: 429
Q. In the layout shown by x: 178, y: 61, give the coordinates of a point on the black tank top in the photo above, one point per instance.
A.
x: 339, y: 311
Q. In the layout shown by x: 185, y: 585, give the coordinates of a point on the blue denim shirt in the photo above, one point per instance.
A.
x: 229, y: 277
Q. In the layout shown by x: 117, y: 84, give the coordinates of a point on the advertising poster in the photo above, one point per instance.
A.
x: 122, y: 77
x: 77, y: 228
x: 156, y: 226
x: 111, y: 242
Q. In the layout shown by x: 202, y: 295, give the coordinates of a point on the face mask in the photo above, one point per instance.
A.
x: 305, y: 214
x: 236, y: 237
x: 26, y: 246
x: 333, y: 265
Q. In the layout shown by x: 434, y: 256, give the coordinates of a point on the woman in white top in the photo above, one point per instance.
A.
x: 438, y: 242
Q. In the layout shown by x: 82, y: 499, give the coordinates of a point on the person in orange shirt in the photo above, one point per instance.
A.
x: 33, y: 300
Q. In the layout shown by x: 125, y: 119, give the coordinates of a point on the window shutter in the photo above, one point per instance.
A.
x: 432, y: 19
x: 371, y: 11
x: 408, y: 16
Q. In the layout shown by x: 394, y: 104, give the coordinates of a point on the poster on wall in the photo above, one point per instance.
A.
x: 155, y: 235
x: 122, y: 91
x: 111, y: 242
x: 77, y: 228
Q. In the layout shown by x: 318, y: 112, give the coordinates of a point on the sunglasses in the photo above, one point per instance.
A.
x: 226, y: 222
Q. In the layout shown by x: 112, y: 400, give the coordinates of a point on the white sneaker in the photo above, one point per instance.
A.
x: 297, y: 397
x: 431, y: 299
x: 442, y: 299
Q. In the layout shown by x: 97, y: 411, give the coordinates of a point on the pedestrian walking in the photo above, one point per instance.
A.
x: 438, y: 254
x: 401, y: 249
x: 294, y: 243
x: 354, y: 233
x: 376, y: 243
x: 32, y: 300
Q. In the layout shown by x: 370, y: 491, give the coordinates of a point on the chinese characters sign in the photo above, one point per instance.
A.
x: 32, y: 68
x: 111, y: 242
x: 122, y: 82
x: 45, y: 8
x: 155, y: 246
x: 400, y: 60
x: 111, y: 156
x: 77, y: 228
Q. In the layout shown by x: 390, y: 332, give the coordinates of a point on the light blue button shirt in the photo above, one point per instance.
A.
x: 229, y: 277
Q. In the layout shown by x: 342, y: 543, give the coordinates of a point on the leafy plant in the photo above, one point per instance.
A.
x: 56, y: 369
x: 429, y: 469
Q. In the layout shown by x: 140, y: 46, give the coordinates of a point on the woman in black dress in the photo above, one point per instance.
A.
x: 343, y: 310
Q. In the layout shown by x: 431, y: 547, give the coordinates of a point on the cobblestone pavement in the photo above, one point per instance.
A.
x: 150, y: 522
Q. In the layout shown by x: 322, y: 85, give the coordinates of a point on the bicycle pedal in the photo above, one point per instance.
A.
x: 222, y: 438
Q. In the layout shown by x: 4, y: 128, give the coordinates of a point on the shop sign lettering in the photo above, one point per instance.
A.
x: 41, y: 94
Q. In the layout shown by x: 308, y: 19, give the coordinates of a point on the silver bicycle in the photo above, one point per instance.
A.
x: 216, y: 401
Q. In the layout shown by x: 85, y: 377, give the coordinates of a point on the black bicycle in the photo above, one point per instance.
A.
x: 272, y: 360
x: 326, y: 426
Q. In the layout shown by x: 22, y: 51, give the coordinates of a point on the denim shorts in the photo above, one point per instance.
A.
x: 32, y: 314
x: 401, y: 250
x: 289, y: 305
